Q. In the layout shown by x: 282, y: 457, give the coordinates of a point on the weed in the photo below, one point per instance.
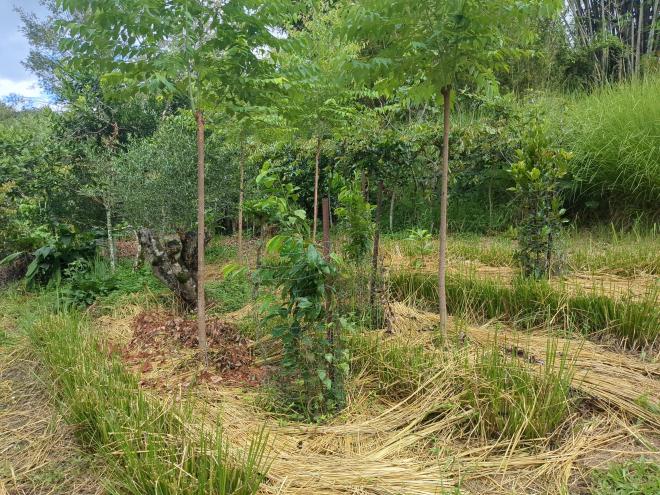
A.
x: 640, y: 477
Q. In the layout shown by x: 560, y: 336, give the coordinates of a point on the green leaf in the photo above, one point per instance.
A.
x: 10, y: 258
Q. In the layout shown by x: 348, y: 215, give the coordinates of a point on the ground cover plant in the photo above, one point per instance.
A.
x: 332, y: 247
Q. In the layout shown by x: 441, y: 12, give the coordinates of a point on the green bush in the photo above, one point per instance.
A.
x: 87, y: 281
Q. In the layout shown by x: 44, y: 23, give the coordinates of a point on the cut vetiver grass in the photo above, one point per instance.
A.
x: 147, y: 443
x: 512, y: 399
x: 532, y: 304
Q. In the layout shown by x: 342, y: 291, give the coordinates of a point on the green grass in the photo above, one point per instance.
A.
x: 220, y: 252
x: 615, y: 136
x: 148, y: 444
x: 531, y: 304
x: 230, y: 293
x: 606, y: 249
x: 640, y: 477
x: 512, y: 399
x: 399, y: 369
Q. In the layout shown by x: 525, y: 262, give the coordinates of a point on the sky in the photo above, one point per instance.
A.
x: 14, y: 78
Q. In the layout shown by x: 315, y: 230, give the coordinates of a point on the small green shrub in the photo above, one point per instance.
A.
x: 537, y: 177
x: 51, y: 260
x: 641, y: 477
x: 354, y: 213
x: 87, y: 281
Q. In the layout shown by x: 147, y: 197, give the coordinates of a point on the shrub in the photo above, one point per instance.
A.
x: 355, y: 215
x: 88, y: 280
x: 537, y: 175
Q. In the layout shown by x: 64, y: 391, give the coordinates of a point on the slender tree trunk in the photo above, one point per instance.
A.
x: 260, y: 245
x: 638, y: 49
x: 374, y: 257
x: 241, y: 192
x: 365, y: 194
x: 392, y: 212
x: 651, y: 38
x: 606, y: 52
x: 316, y: 186
x: 331, y: 331
x: 139, y: 255
x: 442, y: 255
x: 111, y: 240
x: 201, y: 296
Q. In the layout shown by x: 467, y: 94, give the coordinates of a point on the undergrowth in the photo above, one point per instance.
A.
x: 640, y: 477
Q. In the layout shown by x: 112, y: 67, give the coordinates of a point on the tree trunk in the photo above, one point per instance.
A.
x: 316, y: 187
x: 651, y: 39
x: 392, y: 212
x: 174, y: 262
x: 111, y: 240
x: 139, y: 255
x: 201, y: 233
x: 241, y: 192
x: 442, y: 255
x: 260, y: 245
x: 374, y: 257
x: 638, y: 49
x: 365, y: 193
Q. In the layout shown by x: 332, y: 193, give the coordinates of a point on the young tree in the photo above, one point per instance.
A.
x: 318, y: 99
x: 201, y: 50
x: 431, y: 47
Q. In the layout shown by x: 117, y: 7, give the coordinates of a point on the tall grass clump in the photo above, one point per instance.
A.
x: 147, y: 444
x: 512, y: 399
x: 530, y: 304
x: 399, y: 368
x: 615, y: 136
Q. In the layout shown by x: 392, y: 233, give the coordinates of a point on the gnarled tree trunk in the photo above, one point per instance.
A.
x: 174, y: 262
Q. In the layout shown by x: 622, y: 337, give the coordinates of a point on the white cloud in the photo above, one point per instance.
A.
x: 28, y: 88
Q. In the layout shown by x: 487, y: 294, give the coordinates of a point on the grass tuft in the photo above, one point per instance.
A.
x: 147, y: 444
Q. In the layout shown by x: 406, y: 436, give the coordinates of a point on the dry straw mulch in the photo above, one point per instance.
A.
x: 423, y: 444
